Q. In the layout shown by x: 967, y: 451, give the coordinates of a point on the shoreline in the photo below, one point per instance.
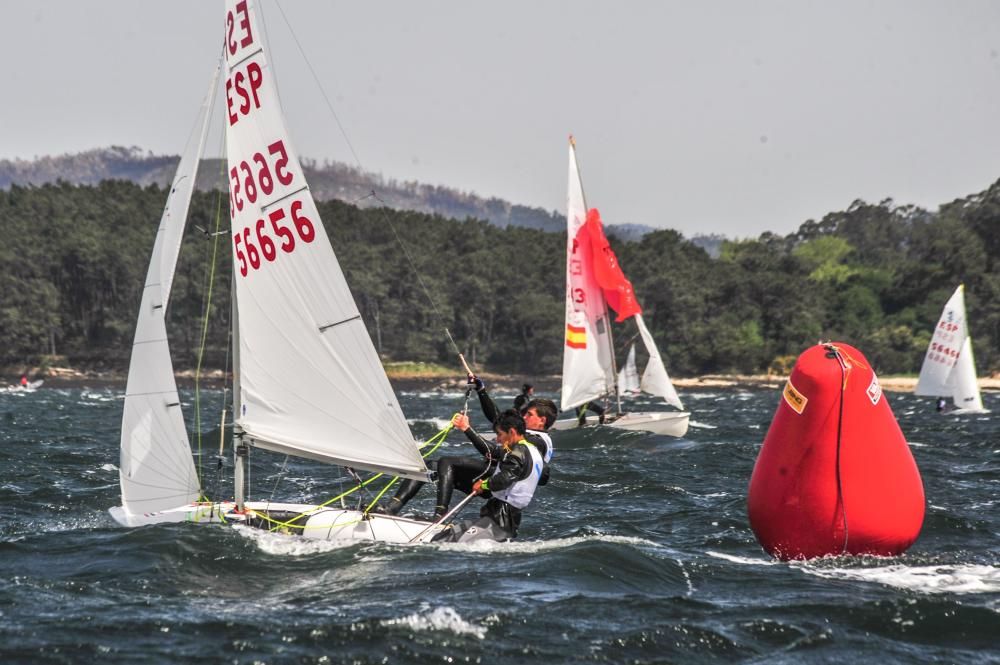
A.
x: 63, y: 377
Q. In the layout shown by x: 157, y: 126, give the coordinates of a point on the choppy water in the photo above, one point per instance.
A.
x: 638, y: 551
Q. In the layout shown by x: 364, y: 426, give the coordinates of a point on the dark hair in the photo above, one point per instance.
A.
x: 546, y: 408
x: 509, y: 419
x: 526, y: 387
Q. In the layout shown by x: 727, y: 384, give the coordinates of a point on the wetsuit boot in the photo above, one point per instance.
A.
x: 407, y: 490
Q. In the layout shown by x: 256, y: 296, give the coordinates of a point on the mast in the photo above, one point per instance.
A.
x: 604, y: 303
x: 241, y: 451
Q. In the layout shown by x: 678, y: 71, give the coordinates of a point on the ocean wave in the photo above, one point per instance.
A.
x: 439, y: 619
x: 958, y: 579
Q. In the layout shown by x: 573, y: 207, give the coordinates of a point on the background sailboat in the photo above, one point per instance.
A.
x: 593, y: 279
x: 307, y: 379
x: 949, y: 368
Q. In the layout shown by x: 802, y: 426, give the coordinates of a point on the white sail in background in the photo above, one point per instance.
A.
x: 655, y: 379
x: 949, y: 367
x: 311, y: 382
x: 964, y: 384
x: 587, y: 369
x: 628, y: 375
x: 156, y: 470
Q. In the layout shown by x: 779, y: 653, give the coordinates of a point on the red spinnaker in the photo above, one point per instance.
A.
x: 617, y: 289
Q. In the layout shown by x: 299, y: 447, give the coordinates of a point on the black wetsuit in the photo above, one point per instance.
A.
x: 461, y: 472
x: 581, y: 412
x: 512, y: 466
x: 521, y: 402
x: 491, y: 412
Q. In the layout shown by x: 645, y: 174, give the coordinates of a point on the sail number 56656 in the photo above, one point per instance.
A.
x: 255, y: 242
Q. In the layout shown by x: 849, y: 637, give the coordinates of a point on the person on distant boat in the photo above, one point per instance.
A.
x: 517, y: 467
x: 521, y: 401
x: 581, y: 412
x: 942, y: 405
x: 24, y: 380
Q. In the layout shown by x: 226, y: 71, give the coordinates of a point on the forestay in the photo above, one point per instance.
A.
x: 310, y: 381
x: 156, y: 470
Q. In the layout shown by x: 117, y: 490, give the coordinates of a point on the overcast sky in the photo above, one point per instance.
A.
x: 723, y: 116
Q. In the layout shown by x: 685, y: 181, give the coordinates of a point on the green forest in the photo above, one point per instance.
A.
x: 874, y: 275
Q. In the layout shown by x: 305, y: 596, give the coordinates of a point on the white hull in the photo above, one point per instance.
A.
x: 333, y: 524
x: 667, y: 423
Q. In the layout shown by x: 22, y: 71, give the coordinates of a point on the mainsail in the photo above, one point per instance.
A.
x: 949, y: 367
x: 156, y: 470
x: 587, y: 360
x: 310, y: 381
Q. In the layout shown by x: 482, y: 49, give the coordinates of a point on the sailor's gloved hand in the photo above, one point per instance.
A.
x: 476, y: 383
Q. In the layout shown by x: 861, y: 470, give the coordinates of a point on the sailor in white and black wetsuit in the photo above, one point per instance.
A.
x: 461, y: 472
x: 512, y: 483
x: 539, y: 414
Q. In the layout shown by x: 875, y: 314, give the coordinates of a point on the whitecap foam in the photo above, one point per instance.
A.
x: 440, y: 618
x: 743, y: 560
x: 536, y: 546
x: 283, y: 545
x: 961, y: 579
x: 695, y: 423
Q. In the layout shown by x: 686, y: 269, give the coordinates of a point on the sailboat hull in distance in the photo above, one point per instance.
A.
x: 667, y: 423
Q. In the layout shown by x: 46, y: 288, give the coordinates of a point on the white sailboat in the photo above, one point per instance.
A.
x: 302, y: 353
x: 949, y: 367
x: 588, y: 354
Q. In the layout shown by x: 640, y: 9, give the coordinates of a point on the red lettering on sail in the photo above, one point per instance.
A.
x: 244, y: 24
x: 244, y: 83
x: 257, y: 241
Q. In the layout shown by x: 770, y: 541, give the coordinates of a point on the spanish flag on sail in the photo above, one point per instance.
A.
x: 576, y: 337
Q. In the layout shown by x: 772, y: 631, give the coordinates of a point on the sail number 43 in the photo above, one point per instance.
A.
x: 254, y: 243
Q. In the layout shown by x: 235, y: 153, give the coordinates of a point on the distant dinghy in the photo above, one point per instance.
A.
x: 835, y: 475
x: 949, y: 367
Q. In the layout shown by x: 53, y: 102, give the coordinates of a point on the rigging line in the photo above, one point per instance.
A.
x: 205, y: 319
x: 277, y: 481
x: 319, y: 85
x: 413, y: 267
x: 357, y: 160
x: 209, y: 112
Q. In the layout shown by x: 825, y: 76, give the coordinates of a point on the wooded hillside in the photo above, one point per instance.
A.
x: 874, y: 275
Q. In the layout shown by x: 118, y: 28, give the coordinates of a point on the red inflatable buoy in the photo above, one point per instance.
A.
x: 835, y: 475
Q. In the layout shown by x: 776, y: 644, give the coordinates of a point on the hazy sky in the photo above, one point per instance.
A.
x: 723, y: 116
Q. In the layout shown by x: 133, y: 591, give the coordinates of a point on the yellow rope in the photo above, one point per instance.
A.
x: 435, y: 441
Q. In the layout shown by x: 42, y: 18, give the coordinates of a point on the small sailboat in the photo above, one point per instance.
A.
x: 949, y: 368
x: 302, y: 353
x: 593, y: 281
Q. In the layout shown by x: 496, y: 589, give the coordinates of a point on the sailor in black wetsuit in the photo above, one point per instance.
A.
x: 581, y: 412
x: 521, y: 401
x: 539, y: 416
x: 517, y: 468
